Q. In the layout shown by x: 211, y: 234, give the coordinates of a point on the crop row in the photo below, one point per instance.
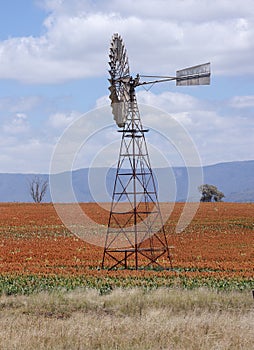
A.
x: 27, y: 284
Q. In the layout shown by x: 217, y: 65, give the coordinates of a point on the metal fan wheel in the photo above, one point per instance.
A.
x: 119, y: 80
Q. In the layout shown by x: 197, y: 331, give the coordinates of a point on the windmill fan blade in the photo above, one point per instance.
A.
x: 114, y: 99
x: 111, y: 70
x: 124, y: 56
x: 119, y: 80
x: 119, y: 113
x: 121, y: 54
x: 113, y: 95
x: 111, y: 88
x: 112, y: 73
x: 126, y: 95
x: 196, y: 75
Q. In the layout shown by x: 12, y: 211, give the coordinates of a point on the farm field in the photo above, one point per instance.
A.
x: 54, y: 295
x: 37, y: 252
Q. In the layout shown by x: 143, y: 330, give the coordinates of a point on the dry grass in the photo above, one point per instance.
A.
x: 128, y: 319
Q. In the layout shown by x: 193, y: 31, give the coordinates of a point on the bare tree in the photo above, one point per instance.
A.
x: 209, y: 193
x: 38, y: 189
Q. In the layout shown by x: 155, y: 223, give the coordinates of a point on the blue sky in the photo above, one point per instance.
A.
x: 53, y: 69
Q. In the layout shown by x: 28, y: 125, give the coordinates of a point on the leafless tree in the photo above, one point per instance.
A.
x: 38, y: 189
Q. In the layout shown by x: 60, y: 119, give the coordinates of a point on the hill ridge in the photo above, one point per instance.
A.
x: 234, y: 179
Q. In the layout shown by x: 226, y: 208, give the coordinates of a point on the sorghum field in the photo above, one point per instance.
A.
x: 37, y: 252
x: 54, y: 295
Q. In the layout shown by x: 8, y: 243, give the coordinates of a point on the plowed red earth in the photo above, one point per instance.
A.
x: 219, y: 241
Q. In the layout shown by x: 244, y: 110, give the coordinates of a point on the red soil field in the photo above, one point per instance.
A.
x: 218, y: 242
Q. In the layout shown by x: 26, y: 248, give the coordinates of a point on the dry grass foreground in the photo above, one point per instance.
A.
x: 128, y: 319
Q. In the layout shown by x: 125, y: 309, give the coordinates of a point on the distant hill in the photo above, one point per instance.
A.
x: 234, y: 179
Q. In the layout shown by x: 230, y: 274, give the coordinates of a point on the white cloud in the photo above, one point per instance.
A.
x: 27, y: 156
x: 19, y: 124
x: 198, y: 11
x: 17, y: 104
x: 62, y: 120
x: 102, y: 101
x: 172, y: 101
x: 161, y: 36
x: 242, y: 101
x: 219, y: 131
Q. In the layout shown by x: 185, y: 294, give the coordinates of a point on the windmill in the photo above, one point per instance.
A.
x: 135, y: 234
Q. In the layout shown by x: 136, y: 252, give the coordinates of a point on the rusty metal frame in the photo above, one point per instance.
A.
x: 146, y: 245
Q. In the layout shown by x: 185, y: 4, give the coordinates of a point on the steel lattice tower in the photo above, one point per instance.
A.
x: 135, y: 235
x: 135, y: 215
